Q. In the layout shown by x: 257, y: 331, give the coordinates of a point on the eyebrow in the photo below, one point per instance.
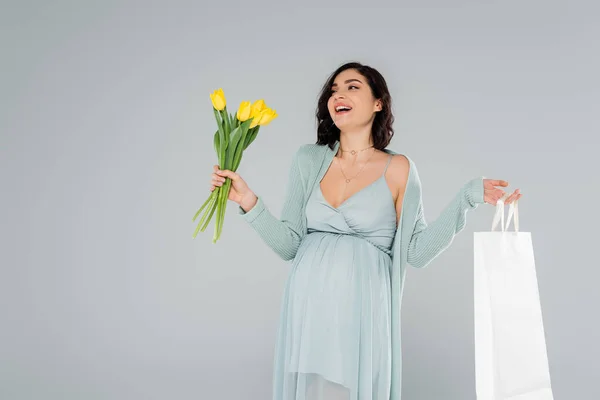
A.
x: 348, y: 81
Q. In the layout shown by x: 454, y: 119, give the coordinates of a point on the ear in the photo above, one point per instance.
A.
x: 378, y: 106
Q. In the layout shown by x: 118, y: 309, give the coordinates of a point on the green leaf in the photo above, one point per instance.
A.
x: 216, y: 141
x: 237, y: 152
x: 218, y: 117
x: 240, y: 147
x: 226, y: 120
x: 250, y: 138
x: 222, y: 137
x: 233, y: 141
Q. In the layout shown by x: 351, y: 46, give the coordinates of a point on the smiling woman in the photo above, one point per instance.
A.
x: 355, y: 86
x: 351, y: 223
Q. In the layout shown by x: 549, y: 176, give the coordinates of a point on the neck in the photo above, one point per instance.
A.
x: 354, y: 140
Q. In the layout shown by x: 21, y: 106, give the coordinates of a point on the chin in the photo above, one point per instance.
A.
x: 342, y: 122
x: 341, y: 126
x: 345, y: 125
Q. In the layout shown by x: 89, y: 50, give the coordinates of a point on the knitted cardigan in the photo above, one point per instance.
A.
x: 416, y: 242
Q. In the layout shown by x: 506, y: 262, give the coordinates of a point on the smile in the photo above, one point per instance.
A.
x: 342, y: 109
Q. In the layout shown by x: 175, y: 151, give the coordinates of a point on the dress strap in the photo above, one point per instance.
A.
x: 387, y: 164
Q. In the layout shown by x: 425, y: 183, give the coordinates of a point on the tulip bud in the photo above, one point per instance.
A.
x: 218, y: 99
x: 268, y: 116
x: 257, y: 107
x: 244, y: 111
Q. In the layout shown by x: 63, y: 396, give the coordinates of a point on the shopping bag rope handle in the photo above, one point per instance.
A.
x: 513, y: 210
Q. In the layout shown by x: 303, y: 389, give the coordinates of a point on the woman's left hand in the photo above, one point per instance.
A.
x: 491, y: 194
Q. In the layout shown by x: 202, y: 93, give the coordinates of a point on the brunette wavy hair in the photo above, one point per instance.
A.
x: 382, y: 130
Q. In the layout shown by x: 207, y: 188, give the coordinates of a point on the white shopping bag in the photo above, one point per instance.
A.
x: 511, y: 362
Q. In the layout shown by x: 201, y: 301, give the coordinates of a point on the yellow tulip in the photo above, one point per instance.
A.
x: 257, y: 107
x: 244, y: 111
x: 264, y: 117
x: 218, y: 99
x: 267, y: 116
x: 255, y: 121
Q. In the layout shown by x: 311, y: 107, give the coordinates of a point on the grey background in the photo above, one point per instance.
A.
x: 106, y: 155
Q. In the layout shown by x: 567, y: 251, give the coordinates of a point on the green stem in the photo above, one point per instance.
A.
x: 227, y: 120
x: 222, y: 204
x: 209, y: 214
x: 203, y: 206
x: 221, y: 117
x: 211, y: 199
x: 218, y: 216
x: 206, y: 217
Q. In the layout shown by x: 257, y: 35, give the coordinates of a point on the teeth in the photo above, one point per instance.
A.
x: 338, y: 108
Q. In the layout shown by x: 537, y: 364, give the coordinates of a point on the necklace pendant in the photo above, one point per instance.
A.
x: 347, y: 180
x: 353, y: 152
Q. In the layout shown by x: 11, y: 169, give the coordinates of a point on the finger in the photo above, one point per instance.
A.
x: 501, y: 196
x: 228, y: 174
x: 217, y: 178
x: 498, y: 182
x: 215, y: 168
x: 514, y: 196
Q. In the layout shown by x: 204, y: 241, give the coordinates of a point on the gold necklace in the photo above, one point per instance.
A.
x: 353, y: 152
x: 364, y: 165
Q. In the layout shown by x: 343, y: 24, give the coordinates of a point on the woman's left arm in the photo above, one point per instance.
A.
x: 429, y: 240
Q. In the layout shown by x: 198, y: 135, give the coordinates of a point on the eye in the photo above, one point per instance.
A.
x: 352, y: 86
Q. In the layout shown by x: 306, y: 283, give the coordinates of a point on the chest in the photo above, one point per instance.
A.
x: 344, y: 179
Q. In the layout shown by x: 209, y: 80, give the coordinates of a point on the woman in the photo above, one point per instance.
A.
x: 351, y: 222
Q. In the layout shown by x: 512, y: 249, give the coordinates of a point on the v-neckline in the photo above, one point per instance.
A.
x: 328, y: 160
x: 351, y: 196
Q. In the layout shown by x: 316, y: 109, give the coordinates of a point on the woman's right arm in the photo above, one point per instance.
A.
x: 283, y: 234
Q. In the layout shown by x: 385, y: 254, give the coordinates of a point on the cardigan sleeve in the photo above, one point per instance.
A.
x: 430, y: 239
x: 283, y: 235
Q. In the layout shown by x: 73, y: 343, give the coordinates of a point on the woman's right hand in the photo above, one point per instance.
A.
x: 239, y: 192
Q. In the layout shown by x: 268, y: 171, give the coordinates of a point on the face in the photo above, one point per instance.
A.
x: 352, y: 104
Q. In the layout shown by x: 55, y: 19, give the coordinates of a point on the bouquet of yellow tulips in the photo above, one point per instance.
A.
x: 233, y: 136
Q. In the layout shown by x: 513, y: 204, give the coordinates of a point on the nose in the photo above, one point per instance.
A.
x: 338, y: 95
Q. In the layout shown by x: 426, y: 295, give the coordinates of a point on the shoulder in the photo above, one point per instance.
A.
x: 399, y: 169
x: 310, y: 152
x: 402, y: 163
x: 307, y: 159
x: 403, y: 174
x: 399, y: 162
x: 311, y: 148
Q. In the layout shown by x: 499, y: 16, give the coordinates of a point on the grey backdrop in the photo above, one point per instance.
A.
x: 106, y: 148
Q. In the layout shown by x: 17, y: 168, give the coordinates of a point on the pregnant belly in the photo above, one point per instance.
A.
x: 338, y: 264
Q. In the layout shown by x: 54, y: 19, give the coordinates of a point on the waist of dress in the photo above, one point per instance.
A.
x: 377, y: 246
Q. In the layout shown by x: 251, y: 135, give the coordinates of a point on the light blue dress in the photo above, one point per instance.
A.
x: 334, y: 335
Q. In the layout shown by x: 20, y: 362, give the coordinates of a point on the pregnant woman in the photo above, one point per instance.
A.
x: 351, y: 223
